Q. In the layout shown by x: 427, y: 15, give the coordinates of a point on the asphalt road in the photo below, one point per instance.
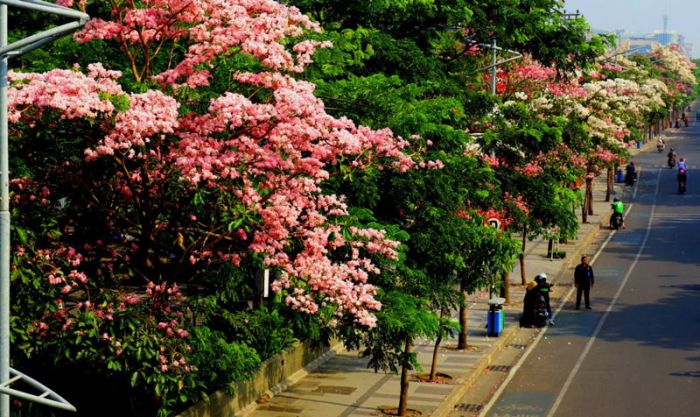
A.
x: 637, y: 353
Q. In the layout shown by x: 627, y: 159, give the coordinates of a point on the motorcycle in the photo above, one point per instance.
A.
x: 671, y: 161
x: 534, y: 309
x: 540, y: 313
x: 630, y: 178
x: 616, y: 221
x: 682, y: 179
x: 660, y: 147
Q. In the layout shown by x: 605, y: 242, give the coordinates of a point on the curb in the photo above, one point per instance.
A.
x: 464, y: 384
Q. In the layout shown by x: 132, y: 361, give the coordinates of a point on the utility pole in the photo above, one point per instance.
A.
x: 493, y: 66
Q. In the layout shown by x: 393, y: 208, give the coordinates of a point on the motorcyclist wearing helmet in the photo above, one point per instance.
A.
x: 545, y: 288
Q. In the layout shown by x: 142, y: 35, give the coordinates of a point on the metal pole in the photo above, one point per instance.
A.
x: 493, y: 66
x: 4, y: 223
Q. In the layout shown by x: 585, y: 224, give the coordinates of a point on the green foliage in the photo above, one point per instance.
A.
x: 402, y: 319
x: 219, y: 362
x: 264, y: 328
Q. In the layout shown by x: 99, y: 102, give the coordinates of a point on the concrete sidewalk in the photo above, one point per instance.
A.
x: 344, y: 387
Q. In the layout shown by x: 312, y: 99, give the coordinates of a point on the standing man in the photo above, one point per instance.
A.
x: 583, y: 280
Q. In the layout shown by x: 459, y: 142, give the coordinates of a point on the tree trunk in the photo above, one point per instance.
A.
x: 505, y: 288
x: 589, y: 195
x: 523, y: 276
x: 584, y: 209
x: 438, y: 340
x: 608, y: 192
x: 403, y: 397
x: 550, y: 248
x: 463, y: 315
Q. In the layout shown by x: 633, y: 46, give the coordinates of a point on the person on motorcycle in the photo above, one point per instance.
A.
x: 618, y: 210
x: 660, y: 144
x: 682, y: 180
x: 545, y: 288
x: 681, y: 164
x: 671, y: 158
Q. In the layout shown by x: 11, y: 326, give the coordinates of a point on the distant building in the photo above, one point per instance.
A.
x: 643, y: 43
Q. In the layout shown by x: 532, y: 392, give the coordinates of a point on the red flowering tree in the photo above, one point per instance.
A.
x: 128, y: 199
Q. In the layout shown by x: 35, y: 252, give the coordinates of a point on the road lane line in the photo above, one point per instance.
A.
x: 598, y: 328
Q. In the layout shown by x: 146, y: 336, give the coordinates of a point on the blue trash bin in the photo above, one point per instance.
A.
x: 619, y: 176
x: 495, y: 319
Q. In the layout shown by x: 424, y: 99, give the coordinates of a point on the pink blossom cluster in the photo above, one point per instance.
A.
x: 26, y: 191
x: 294, y: 134
x: 69, y: 3
x: 567, y: 89
x: 73, y: 94
x: 533, y: 70
x: 150, y: 115
x: 374, y: 241
x: 517, y: 202
x: 527, y: 77
x: 531, y: 169
x: 56, y: 276
x: 612, y: 67
x: 577, y: 160
x: 167, y: 314
x: 210, y: 28
x: 491, y: 160
x: 173, y: 361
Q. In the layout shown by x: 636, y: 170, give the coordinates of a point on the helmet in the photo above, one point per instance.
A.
x: 541, y: 277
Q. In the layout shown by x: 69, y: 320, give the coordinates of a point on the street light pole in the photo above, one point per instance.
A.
x: 4, y: 222
x: 18, y: 48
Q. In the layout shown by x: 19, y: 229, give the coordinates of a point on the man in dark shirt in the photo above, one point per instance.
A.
x: 583, y: 279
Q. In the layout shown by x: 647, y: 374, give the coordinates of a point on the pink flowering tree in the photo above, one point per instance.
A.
x: 130, y: 199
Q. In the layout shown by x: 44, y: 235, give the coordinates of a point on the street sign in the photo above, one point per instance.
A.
x: 494, y: 222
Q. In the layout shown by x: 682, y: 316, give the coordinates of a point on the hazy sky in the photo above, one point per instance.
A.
x: 643, y: 16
